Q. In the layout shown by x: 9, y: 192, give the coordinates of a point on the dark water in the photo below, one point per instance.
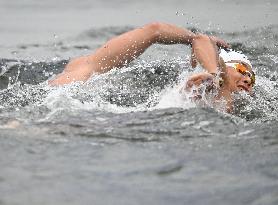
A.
x: 128, y: 136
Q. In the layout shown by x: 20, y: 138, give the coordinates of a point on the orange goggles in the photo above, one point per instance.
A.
x: 243, y: 69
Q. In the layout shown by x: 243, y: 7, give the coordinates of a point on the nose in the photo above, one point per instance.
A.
x: 247, y: 80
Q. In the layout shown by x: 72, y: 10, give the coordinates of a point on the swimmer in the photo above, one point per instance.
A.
x: 229, y: 72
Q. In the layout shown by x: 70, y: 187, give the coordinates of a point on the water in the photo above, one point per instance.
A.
x: 129, y: 136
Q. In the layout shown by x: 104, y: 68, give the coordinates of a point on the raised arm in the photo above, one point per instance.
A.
x: 126, y: 47
x: 204, y: 51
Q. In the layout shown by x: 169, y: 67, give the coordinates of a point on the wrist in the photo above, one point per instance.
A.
x: 218, y: 80
x: 190, y: 38
x: 213, y: 73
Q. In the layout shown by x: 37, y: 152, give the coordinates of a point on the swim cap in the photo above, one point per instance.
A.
x: 233, y: 55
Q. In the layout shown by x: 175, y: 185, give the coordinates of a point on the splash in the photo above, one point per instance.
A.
x: 141, y: 86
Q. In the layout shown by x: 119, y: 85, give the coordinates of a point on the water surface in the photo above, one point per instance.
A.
x: 129, y: 136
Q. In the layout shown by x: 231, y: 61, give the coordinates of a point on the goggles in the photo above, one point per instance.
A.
x: 243, y: 69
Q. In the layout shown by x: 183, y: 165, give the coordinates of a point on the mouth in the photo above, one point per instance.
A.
x: 242, y: 87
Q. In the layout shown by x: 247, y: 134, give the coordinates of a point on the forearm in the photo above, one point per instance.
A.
x: 205, y: 52
x: 170, y: 34
x: 126, y: 47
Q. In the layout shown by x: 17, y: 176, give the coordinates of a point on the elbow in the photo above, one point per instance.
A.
x: 154, y: 29
x: 154, y: 26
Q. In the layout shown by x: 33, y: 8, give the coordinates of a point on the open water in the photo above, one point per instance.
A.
x: 129, y: 136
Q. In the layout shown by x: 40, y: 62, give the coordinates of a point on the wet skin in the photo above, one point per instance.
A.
x: 233, y: 82
x: 236, y: 81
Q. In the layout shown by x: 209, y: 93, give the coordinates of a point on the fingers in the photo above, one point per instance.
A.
x: 190, y: 83
x: 201, y: 82
x: 193, y: 81
x: 219, y: 42
x: 198, y: 79
x: 201, y: 76
x: 223, y: 44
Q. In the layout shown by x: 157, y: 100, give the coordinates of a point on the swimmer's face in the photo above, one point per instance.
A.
x: 237, y: 81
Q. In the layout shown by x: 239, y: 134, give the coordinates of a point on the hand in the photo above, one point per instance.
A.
x: 198, y: 79
x: 219, y: 42
x: 199, y: 84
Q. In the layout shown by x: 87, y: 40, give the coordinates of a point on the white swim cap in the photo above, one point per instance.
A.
x: 233, y: 55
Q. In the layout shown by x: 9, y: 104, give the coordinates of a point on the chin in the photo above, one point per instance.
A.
x: 242, y: 91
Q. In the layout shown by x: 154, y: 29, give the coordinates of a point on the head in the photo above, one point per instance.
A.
x: 238, y: 75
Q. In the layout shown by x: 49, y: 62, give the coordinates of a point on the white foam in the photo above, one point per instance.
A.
x: 65, y: 97
x: 174, y: 96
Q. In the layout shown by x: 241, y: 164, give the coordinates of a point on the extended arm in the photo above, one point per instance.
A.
x: 126, y: 47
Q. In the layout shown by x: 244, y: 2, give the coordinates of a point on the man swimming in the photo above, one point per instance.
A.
x: 235, y: 74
